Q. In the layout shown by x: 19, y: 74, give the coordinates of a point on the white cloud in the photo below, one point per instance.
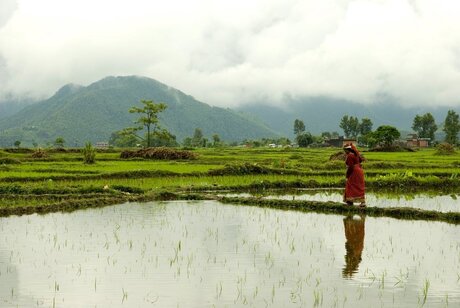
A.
x: 233, y: 52
x: 7, y: 7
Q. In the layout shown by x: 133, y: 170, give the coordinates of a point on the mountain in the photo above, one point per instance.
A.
x: 79, y: 114
x: 321, y: 114
x: 10, y: 106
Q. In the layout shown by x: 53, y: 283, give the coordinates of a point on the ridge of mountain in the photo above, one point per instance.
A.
x: 92, y: 113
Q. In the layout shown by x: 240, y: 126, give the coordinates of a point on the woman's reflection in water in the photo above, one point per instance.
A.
x: 354, y: 234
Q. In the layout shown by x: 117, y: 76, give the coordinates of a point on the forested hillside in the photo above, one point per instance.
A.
x: 92, y: 113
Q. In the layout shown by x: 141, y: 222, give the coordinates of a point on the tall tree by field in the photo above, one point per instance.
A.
x: 299, y: 127
x: 17, y: 143
x: 197, y: 139
x: 385, y: 135
x: 425, y: 126
x: 350, y: 126
x: 451, y: 127
x: 148, y: 119
x: 216, y: 140
x: 365, y: 127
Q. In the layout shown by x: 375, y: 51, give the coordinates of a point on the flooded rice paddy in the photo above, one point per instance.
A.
x: 207, y: 254
x: 421, y: 200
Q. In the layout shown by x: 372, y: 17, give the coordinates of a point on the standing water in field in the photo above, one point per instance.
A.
x: 425, y: 201
x: 200, y: 254
x: 354, y: 235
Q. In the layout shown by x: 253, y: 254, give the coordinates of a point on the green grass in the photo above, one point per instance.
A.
x: 62, y: 176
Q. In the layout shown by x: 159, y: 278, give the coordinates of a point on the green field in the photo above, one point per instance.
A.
x: 62, y: 181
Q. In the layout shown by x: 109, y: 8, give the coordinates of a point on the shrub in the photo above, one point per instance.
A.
x: 89, y: 153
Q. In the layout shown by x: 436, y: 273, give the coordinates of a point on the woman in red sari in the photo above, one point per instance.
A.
x: 354, y: 188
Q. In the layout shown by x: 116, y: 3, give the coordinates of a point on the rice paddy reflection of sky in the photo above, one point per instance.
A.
x: 200, y: 254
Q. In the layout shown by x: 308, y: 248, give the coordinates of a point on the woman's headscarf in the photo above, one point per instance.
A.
x: 353, y: 148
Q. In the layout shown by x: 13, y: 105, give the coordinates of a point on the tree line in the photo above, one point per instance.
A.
x: 359, y: 129
x: 149, y: 133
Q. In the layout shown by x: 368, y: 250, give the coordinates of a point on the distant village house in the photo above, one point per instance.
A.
x: 339, y: 142
x: 101, y: 145
x: 413, y: 141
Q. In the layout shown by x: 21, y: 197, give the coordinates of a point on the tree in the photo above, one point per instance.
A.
x: 365, y: 127
x: 59, y: 142
x: 149, y: 119
x: 197, y: 139
x: 326, y: 135
x: 304, y: 139
x: 123, y: 139
x: 451, y: 127
x: 187, y: 142
x: 425, y: 126
x: 163, y: 138
x: 329, y: 135
x: 299, y: 127
x: 350, y: 126
x: 385, y: 135
x: 17, y: 143
x: 216, y: 140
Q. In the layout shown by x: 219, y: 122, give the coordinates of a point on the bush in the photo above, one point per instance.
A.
x: 89, y: 153
x: 445, y: 149
x: 159, y: 153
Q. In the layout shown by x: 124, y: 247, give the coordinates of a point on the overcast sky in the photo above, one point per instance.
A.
x: 228, y: 53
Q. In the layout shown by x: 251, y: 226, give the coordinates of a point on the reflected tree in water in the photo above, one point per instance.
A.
x: 354, y: 234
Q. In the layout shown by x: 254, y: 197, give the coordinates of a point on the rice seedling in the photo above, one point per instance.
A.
x: 425, y: 289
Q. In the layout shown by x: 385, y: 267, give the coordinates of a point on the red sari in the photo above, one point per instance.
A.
x: 354, y: 233
x: 354, y: 188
